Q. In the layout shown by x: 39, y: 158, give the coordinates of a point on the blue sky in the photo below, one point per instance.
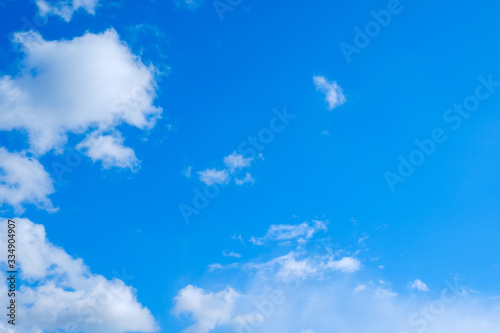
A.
x: 114, y: 115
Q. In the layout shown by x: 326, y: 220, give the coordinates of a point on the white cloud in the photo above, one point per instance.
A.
x: 237, y: 236
x: 92, y: 82
x: 284, y: 232
x: 247, y: 179
x: 24, y: 180
x: 236, y: 161
x: 60, y: 293
x: 418, y: 285
x: 359, y: 288
x: 207, y: 309
x: 292, y: 266
x: 65, y: 8
x: 214, y: 176
x: 345, y: 265
x: 231, y: 254
x: 109, y: 149
x: 334, y: 94
x: 189, y: 4
x: 3, y: 327
x: 213, y: 267
x: 315, y: 296
x: 192, y: 4
x: 233, y: 163
x: 329, y: 305
x: 296, y: 265
x: 362, y: 239
x: 187, y: 172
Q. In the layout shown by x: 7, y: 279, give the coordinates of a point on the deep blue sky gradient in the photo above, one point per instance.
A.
x: 223, y: 79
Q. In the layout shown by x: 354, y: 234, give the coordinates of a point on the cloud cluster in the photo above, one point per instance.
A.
x: 91, y: 82
x: 59, y: 293
x: 87, y: 87
x: 233, y: 163
x: 332, y: 306
x: 306, y: 291
x: 298, y: 263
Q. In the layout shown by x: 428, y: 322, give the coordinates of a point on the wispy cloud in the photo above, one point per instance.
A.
x: 333, y: 93
x: 231, y: 254
x: 187, y: 172
x: 285, y: 232
x: 247, y: 179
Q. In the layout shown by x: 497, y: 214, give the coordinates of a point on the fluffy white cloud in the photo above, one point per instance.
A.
x: 418, y: 285
x: 207, y: 309
x: 110, y: 150
x: 333, y: 92
x: 23, y: 180
x: 59, y: 293
x: 92, y: 82
x: 65, y: 8
x: 286, y: 232
x: 214, y: 176
x: 236, y: 161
